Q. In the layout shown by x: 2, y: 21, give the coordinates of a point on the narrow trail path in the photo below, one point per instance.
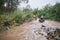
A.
x: 28, y: 31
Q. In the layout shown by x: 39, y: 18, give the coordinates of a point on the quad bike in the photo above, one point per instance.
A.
x: 41, y: 20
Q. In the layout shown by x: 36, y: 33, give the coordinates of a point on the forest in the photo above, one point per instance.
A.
x: 10, y: 14
x: 26, y: 23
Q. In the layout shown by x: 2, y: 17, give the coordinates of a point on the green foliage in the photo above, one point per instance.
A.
x: 19, y: 16
x: 51, y: 12
x: 57, y: 9
x: 10, y: 5
x: 16, y: 17
x: 36, y: 13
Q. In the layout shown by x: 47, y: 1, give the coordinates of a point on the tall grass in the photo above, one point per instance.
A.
x: 18, y: 17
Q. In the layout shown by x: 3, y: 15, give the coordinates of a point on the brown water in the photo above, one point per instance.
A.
x: 28, y: 31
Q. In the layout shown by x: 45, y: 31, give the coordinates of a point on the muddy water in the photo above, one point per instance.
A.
x: 28, y: 31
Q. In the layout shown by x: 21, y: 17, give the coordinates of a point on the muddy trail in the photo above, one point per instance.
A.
x: 28, y: 31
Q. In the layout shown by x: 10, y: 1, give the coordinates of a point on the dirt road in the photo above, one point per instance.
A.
x: 28, y: 31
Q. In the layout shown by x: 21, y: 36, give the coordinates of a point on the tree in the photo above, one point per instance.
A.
x: 57, y: 10
x: 51, y: 12
x: 10, y: 5
x: 35, y: 12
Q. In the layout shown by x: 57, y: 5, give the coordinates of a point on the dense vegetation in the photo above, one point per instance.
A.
x: 15, y: 18
x: 51, y: 12
x: 20, y: 16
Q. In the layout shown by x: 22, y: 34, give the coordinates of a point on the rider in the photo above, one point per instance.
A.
x: 41, y: 19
